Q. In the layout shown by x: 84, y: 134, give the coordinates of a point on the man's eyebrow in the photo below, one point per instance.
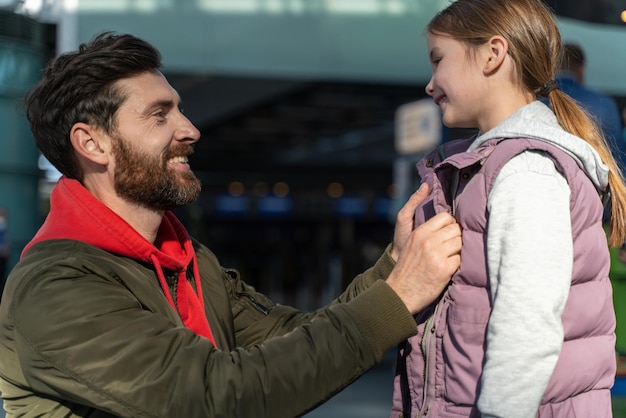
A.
x: 163, y: 104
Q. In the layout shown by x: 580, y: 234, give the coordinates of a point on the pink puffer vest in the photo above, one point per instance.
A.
x: 439, y: 369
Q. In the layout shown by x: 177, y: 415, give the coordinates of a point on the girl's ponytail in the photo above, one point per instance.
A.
x: 576, y: 121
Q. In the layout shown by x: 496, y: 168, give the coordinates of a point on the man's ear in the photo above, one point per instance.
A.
x: 497, y: 51
x: 90, y: 143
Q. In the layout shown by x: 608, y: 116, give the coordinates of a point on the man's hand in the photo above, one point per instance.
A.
x: 429, y: 257
x: 404, y: 220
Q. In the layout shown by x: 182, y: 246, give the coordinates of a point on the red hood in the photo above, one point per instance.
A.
x: 76, y: 214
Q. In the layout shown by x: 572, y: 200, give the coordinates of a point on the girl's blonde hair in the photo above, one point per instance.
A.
x: 536, y: 49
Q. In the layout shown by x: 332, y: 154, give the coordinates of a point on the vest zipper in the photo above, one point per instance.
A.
x: 429, y: 340
x: 429, y: 353
x: 454, y: 185
x: 424, y: 344
x: 430, y: 327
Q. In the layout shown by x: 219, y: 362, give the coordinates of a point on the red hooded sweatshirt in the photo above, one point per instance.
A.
x: 76, y: 214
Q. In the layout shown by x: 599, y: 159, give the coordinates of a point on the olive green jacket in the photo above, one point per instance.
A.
x: 84, y: 333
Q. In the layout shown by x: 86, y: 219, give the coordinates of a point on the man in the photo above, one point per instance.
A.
x: 571, y: 80
x: 114, y: 311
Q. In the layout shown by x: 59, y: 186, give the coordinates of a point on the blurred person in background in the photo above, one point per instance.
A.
x: 601, y: 107
x: 113, y: 310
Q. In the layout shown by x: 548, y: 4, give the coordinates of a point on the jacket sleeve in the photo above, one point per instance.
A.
x: 82, y: 336
x: 257, y: 318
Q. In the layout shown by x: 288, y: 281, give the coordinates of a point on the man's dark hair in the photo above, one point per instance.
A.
x: 79, y: 86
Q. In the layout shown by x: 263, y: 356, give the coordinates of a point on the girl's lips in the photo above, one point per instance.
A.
x: 439, y: 99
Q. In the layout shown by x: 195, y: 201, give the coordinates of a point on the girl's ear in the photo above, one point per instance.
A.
x: 497, y: 50
x: 90, y: 143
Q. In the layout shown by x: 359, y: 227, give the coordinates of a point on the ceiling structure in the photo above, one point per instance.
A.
x: 306, y: 132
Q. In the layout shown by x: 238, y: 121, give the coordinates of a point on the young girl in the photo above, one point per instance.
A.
x: 526, y: 326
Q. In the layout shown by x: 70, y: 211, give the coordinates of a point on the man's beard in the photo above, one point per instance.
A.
x: 145, y: 179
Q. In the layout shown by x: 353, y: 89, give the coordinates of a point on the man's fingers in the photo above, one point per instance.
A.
x: 414, y: 200
x: 420, y: 194
x: 449, y: 236
x: 437, y: 222
x: 452, y: 247
x: 452, y: 234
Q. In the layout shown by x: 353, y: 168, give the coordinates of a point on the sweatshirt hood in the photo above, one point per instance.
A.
x: 76, y: 214
x: 537, y: 121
